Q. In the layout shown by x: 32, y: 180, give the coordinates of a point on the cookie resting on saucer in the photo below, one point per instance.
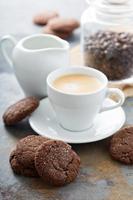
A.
x: 20, y: 110
x: 57, y: 163
x: 121, y: 145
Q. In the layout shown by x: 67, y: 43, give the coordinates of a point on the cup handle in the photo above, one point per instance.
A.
x: 3, y: 49
x: 119, y: 94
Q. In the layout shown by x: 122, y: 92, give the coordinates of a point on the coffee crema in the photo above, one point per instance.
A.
x: 77, y: 84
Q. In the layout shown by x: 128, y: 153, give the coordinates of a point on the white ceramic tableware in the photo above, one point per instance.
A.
x: 44, y: 122
x: 33, y: 58
x: 76, y: 112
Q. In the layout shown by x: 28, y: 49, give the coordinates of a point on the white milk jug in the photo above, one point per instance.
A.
x: 33, y: 58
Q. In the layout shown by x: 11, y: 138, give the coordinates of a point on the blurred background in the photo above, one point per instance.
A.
x: 16, y: 15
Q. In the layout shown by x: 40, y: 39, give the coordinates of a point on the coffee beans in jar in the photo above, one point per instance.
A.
x: 110, y: 52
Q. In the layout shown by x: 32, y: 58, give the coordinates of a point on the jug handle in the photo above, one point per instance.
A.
x: 12, y: 40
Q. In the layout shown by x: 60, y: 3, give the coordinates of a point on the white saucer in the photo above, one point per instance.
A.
x: 43, y: 121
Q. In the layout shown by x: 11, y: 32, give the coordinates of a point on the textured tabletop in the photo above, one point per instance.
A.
x: 100, y: 178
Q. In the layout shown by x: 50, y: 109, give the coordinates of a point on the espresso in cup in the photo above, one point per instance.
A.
x: 77, y: 95
x: 77, y: 83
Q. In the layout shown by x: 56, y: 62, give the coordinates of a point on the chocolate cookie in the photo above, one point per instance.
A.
x: 20, y: 110
x: 19, y: 168
x: 61, y: 34
x: 26, y: 149
x: 121, y: 145
x: 57, y: 163
x: 43, y: 18
x: 65, y: 25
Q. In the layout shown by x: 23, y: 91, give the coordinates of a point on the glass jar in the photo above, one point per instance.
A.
x: 107, y: 37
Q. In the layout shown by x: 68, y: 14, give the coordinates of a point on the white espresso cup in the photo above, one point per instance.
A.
x: 76, y: 112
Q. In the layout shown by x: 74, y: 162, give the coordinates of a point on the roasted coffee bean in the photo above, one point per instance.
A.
x: 111, y: 52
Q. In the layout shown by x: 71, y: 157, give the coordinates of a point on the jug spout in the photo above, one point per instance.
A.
x: 59, y: 43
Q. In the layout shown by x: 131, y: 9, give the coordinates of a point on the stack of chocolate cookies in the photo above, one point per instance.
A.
x: 54, y: 161
x: 56, y: 25
x: 61, y: 27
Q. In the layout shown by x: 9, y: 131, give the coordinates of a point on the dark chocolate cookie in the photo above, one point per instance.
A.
x: 121, y: 145
x: 57, y: 163
x: 61, y: 34
x: 26, y: 149
x: 19, y: 168
x: 62, y: 24
x: 20, y: 110
x: 44, y: 17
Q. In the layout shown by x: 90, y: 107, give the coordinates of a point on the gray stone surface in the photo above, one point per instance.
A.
x: 100, y: 178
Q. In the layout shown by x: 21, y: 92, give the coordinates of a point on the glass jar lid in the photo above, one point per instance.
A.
x: 115, y: 7
x: 117, y: 1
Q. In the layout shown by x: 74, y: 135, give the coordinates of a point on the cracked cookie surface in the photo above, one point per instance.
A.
x: 121, y: 145
x: 20, y: 110
x: 61, y: 34
x: 18, y: 168
x: 63, y: 24
x: 57, y: 163
x: 26, y: 149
